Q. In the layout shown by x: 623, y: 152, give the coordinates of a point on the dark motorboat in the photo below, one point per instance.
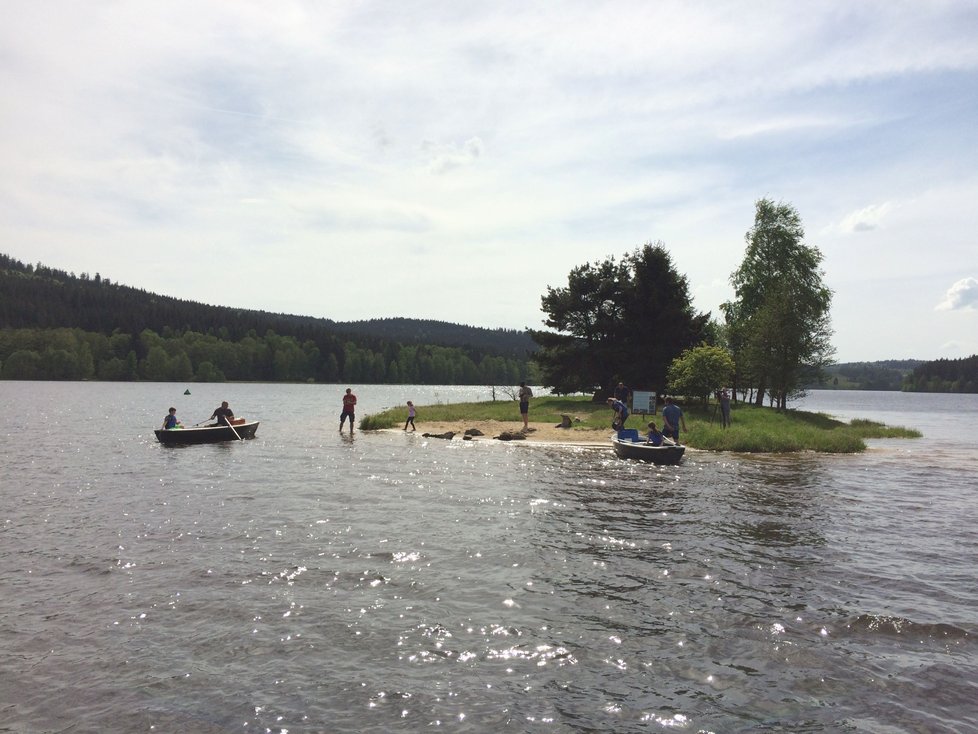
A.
x: 629, y: 445
x: 206, y: 434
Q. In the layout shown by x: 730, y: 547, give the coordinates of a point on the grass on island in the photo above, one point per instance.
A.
x: 752, y: 429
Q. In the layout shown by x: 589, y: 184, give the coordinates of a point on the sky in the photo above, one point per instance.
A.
x: 452, y: 160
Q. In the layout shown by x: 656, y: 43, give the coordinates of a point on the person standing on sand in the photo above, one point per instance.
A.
x: 524, y: 396
x: 672, y: 418
x: 349, y: 409
x: 411, y: 414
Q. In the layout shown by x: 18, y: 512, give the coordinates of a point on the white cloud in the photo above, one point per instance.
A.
x: 446, y: 157
x: 777, y: 125
x: 962, y: 296
x: 287, y: 141
x: 865, y: 219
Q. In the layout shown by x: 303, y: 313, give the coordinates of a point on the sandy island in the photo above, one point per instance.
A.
x: 538, y: 432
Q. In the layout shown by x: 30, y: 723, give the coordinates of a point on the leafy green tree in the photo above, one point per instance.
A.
x: 60, y: 364
x: 780, y: 316
x: 113, y: 369
x: 735, y: 340
x: 24, y: 364
x: 156, y: 366
x: 180, y: 368
x: 331, y: 368
x: 701, y: 371
x: 207, y: 372
x: 288, y: 359
x: 120, y: 344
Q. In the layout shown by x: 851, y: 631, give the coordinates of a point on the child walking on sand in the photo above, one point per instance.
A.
x: 410, y: 419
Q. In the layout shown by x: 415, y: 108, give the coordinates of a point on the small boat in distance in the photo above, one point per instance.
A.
x: 629, y: 445
x: 240, y: 430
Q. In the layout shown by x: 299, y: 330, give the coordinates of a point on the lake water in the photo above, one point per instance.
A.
x: 309, y: 582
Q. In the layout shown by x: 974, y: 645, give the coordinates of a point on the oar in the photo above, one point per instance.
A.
x: 233, y: 431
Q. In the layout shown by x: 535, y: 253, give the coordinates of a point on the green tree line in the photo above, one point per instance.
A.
x: 40, y: 297
x: 944, y: 375
x: 74, y: 354
x: 880, y: 375
x: 58, y: 326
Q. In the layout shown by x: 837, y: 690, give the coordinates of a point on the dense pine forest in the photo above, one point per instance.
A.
x: 944, y: 375
x: 55, y: 325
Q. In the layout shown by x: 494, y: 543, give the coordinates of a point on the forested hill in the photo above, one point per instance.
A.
x: 910, y: 375
x: 205, y: 342
x: 945, y: 375
x: 887, y: 374
x: 45, y: 298
x: 419, y: 331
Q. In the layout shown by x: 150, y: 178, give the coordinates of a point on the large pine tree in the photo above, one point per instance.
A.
x: 617, y: 320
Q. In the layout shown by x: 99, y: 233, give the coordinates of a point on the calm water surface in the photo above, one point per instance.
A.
x: 309, y: 582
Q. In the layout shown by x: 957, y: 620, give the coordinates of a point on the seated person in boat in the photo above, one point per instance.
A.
x: 655, y: 435
x: 171, y: 420
x: 223, y: 414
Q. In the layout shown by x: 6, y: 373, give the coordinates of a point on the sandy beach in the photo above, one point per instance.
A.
x: 538, y: 432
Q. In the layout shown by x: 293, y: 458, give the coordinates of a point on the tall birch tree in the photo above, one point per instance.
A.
x: 781, y: 308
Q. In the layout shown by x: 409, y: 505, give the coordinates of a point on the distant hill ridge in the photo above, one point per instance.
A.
x: 426, y: 331
x: 145, y: 330
x: 40, y: 297
x: 887, y: 374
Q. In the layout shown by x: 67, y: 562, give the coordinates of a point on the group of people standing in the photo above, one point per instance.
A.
x: 672, y: 414
x: 672, y: 417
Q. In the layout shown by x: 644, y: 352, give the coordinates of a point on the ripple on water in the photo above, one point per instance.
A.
x: 309, y: 582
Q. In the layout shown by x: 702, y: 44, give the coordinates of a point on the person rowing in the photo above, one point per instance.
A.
x: 223, y: 414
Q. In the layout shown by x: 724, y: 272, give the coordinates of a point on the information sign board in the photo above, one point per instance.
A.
x: 643, y: 403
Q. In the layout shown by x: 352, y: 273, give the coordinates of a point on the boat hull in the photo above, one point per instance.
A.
x: 205, y: 434
x: 631, y: 447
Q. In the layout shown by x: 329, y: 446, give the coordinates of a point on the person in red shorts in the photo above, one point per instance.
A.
x: 349, y: 408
